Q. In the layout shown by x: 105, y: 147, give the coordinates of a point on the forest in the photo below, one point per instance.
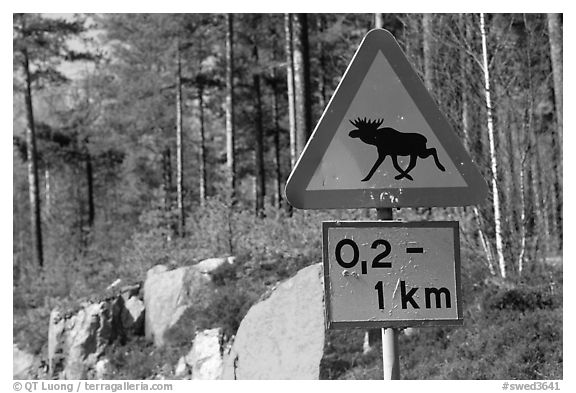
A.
x: 144, y: 139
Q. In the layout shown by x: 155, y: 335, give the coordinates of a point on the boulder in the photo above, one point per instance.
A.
x: 23, y: 363
x: 182, y: 369
x: 210, y: 264
x: 75, y: 342
x: 168, y: 294
x: 133, y: 316
x: 204, y: 361
x: 282, y: 336
x: 205, y: 357
x: 102, y: 369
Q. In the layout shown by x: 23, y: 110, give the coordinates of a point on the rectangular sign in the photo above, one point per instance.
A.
x: 380, y: 274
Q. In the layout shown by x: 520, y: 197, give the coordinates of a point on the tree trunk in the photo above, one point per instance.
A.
x: 506, y: 160
x: 427, y: 51
x: 33, y: 191
x: 290, y: 83
x: 465, y: 72
x: 259, y: 162
x: 493, y: 159
x: 379, y: 20
x: 464, y: 80
x: 167, y: 193
x: 202, y: 148
x: 179, y: 147
x: 321, y: 26
x: 515, y: 158
x: 522, y: 252
x: 555, y: 38
x: 277, y: 163
x: 541, y: 183
x: 167, y: 177
x: 90, y: 190
x: 230, y: 150
x: 302, y: 82
x: 47, y: 192
x: 538, y: 207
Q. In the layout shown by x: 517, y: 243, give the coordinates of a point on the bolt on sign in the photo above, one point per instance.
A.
x: 391, y: 274
x: 382, y: 142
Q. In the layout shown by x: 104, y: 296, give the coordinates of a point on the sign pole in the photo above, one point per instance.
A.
x: 390, y: 357
x: 390, y: 353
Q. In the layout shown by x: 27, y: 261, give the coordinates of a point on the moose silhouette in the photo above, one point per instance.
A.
x: 393, y: 143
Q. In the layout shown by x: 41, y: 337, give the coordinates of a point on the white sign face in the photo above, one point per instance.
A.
x: 391, y: 274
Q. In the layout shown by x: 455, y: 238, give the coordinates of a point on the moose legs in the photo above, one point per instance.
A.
x: 404, y: 173
x: 379, y: 161
x: 432, y: 152
x: 413, y: 158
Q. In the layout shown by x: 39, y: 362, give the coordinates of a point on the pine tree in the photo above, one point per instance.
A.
x: 302, y: 96
x: 230, y: 149
x: 39, y: 44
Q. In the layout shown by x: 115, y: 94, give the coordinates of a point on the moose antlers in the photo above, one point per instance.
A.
x: 364, y: 123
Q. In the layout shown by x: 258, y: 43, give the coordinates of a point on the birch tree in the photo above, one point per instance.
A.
x: 493, y: 157
x: 465, y: 71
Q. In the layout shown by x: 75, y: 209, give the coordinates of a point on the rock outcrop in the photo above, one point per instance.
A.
x: 205, y: 359
x: 206, y: 355
x: 133, y: 316
x: 168, y: 294
x: 211, y: 264
x: 77, y: 341
x: 282, y: 337
x: 23, y: 363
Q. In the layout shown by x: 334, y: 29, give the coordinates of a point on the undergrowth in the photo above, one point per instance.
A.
x: 511, y: 329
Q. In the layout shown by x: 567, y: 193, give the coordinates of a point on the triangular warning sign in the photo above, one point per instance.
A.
x: 382, y: 142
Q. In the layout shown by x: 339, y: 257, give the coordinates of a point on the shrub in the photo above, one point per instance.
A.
x: 140, y: 360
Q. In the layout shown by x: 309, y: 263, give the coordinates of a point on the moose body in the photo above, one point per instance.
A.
x: 393, y: 143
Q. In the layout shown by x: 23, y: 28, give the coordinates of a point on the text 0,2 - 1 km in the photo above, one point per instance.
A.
x: 387, y: 274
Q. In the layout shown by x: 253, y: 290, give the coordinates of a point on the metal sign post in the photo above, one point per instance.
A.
x: 390, y: 352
